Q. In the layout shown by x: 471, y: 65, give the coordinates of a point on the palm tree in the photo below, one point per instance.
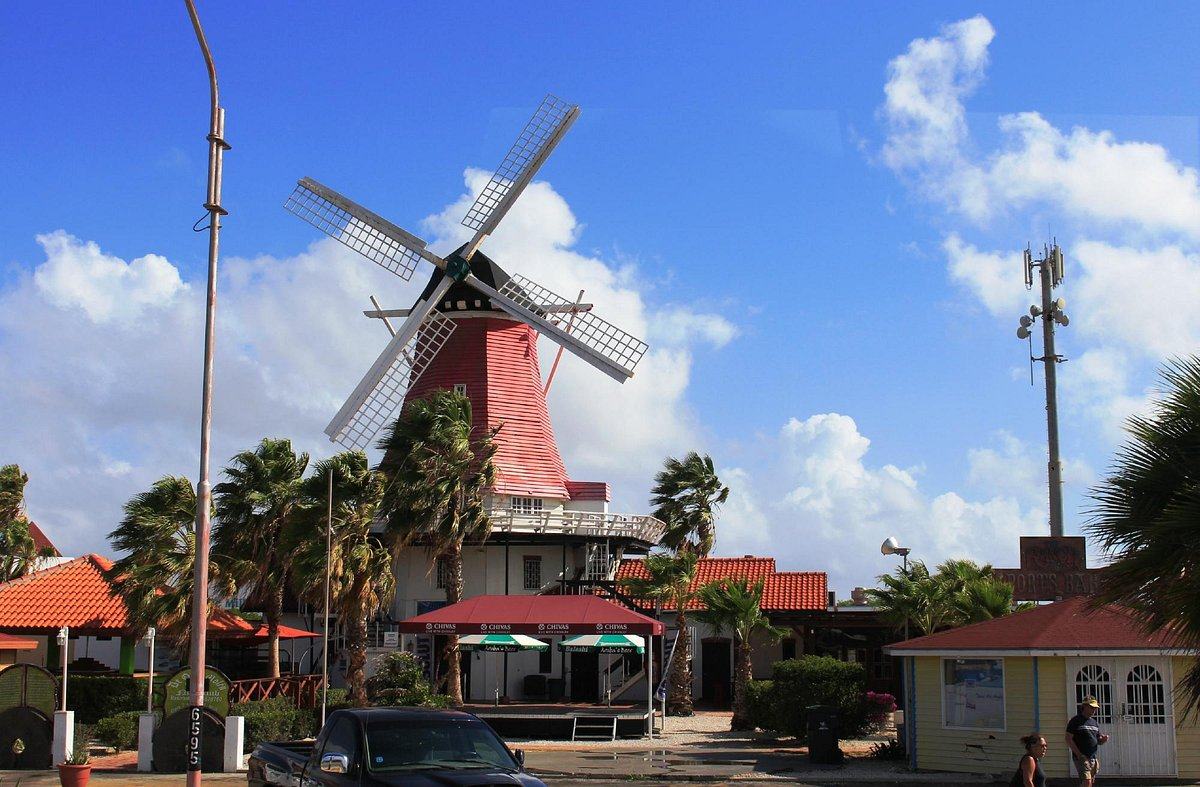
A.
x: 913, y: 595
x: 735, y: 606
x: 685, y: 497
x: 975, y: 592
x: 254, y: 507
x: 155, y: 576
x: 961, y: 592
x: 668, y: 582
x: 360, y: 578
x: 438, y: 469
x: 18, y: 551
x: 1145, y: 514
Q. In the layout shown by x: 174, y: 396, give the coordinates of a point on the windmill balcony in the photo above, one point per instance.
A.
x: 643, y: 528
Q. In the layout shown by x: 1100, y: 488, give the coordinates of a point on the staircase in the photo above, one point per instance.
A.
x: 594, y: 728
x: 617, y: 681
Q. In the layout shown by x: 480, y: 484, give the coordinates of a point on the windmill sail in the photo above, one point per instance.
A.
x: 592, y: 338
x: 354, y: 226
x: 525, y: 157
x: 381, y: 392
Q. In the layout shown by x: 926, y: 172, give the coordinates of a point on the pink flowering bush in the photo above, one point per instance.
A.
x: 879, y: 705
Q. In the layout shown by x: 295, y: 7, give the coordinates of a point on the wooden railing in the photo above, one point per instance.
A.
x: 304, y: 690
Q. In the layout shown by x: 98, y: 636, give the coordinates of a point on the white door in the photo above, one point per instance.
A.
x: 1135, y: 710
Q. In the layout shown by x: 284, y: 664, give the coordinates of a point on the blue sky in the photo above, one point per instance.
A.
x: 799, y: 247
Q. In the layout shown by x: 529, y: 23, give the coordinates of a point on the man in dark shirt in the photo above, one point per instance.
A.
x: 1084, y: 739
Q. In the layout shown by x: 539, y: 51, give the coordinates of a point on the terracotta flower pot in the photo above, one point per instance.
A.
x: 74, y: 775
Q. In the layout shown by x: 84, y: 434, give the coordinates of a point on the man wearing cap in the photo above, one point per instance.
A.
x: 1084, y: 739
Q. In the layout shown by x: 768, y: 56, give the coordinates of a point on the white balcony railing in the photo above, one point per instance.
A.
x: 579, y: 523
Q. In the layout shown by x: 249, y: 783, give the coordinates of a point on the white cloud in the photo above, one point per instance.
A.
x: 101, y: 362
x: 744, y: 528
x: 79, y: 277
x: 1089, y: 175
x: 816, y: 501
x: 1144, y: 299
x: 1018, y: 470
x: 993, y: 277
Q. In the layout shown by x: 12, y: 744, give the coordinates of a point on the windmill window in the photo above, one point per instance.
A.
x: 526, y: 505
x: 789, y: 649
x: 460, y: 388
x: 532, y: 573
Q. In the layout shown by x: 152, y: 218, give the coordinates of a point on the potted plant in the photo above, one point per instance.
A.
x: 75, y: 770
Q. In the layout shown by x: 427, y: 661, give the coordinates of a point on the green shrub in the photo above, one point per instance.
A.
x: 811, y: 680
x: 119, y: 730
x: 94, y: 697
x: 759, y: 697
x: 276, y: 719
x: 400, y: 680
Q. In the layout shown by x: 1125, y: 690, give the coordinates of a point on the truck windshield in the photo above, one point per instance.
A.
x: 454, y: 744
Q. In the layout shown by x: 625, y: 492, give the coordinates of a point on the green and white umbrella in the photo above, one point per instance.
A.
x: 500, y: 643
x: 603, y: 643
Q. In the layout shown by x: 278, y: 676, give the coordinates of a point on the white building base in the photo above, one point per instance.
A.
x: 63, y: 743
x: 145, y: 742
x: 235, y: 742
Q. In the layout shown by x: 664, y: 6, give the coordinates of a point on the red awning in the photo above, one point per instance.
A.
x: 285, y: 632
x: 546, y: 615
x: 9, y: 642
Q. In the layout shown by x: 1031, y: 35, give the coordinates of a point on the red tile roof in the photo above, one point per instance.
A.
x: 77, y: 594
x: 40, y: 540
x: 793, y: 590
x: 1064, y: 625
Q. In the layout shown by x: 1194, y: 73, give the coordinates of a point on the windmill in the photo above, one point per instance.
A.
x: 425, y: 331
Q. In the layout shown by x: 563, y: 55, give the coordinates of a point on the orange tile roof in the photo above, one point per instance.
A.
x: 801, y: 590
x: 77, y: 594
x: 796, y: 590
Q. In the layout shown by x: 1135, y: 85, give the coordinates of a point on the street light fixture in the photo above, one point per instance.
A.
x: 150, y: 632
x: 64, y: 641
x: 891, y: 546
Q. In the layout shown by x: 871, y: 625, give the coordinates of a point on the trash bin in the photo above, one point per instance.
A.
x: 823, y: 735
x: 555, y: 688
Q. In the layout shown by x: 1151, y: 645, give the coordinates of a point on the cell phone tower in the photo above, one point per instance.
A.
x: 1050, y: 273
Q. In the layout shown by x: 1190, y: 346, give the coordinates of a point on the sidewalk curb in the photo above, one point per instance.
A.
x: 809, y: 779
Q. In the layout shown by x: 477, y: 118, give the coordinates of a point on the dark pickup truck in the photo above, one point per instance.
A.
x: 393, y: 746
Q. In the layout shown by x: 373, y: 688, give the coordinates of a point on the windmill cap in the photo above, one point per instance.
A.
x: 1091, y: 702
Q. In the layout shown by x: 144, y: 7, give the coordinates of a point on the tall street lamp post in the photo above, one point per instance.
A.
x: 892, y: 547
x: 216, y: 148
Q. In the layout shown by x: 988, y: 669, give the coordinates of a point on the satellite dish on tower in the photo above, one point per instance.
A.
x: 424, y: 332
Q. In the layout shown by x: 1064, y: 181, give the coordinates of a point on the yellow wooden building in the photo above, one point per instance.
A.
x: 971, y: 693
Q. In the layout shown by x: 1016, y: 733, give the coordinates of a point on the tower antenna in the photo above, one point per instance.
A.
x: 1050, y: 274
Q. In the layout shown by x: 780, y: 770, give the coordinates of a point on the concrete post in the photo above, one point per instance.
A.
x: 235, y: 743
x: 145, y: 761
x: 63, y: 743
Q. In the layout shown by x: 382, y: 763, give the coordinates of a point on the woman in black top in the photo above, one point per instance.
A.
x: 1029, y: 772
